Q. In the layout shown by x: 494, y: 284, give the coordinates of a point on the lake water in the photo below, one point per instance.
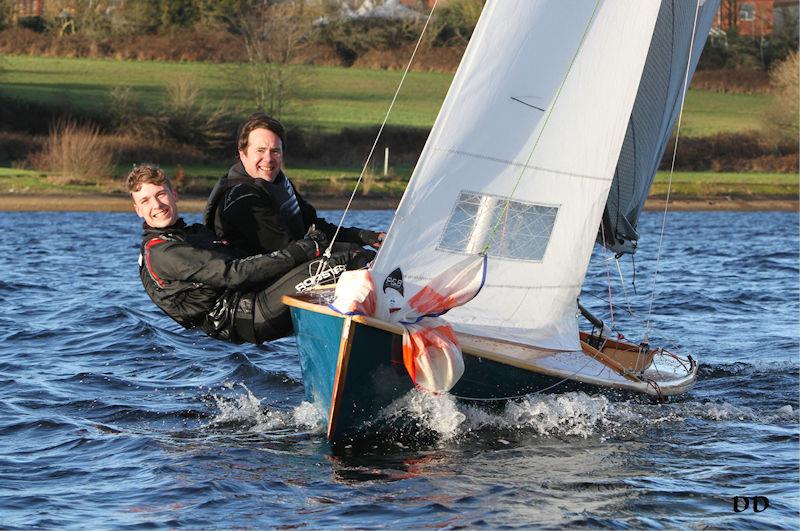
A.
x: 111, y: 415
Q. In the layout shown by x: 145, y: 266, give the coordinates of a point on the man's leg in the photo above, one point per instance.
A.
x: 271, y: 318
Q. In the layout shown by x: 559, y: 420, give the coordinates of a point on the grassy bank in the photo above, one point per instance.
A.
x: 712, y: 185
x: 331, y: 99
x: 339, y: 182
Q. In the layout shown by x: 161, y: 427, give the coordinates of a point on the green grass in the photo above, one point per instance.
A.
x: 308, y: 172
x: 706, y: 112
x: 13, y: 180
x: 740, y: 185
x: 199, y: 180
x: 15, y: 172
x: 331, y: 99
x: 309, y: 178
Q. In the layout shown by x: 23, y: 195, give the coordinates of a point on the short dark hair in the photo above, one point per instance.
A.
x: 146, y: 173
x: 259, y: 120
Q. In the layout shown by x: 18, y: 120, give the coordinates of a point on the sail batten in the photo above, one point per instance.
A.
x: 530, y: 185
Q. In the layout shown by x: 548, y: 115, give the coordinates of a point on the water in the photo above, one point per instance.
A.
x: 112, y: 416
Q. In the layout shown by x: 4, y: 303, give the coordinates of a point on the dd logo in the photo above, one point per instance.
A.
x: 741, y: 503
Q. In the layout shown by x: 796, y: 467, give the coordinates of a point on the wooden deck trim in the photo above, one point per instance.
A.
x: 343, y: 361
x: 477, y: 351
x: 346, y: 343
x: 612, y: 364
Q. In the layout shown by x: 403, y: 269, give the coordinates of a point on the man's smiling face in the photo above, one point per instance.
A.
x: 263, y: 157
x: 156, y: 205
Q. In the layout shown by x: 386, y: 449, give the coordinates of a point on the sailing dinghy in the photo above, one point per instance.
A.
x: 553, y: 127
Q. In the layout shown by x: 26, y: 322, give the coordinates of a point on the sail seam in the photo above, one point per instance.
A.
x: 546, y: 117
x: 521, y: 164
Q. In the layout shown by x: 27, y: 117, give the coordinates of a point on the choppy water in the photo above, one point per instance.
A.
x: 112, y: 416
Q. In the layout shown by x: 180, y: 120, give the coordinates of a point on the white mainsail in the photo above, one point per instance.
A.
x: 521, y: 159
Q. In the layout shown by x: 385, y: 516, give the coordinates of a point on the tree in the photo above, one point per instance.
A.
x: 729, y: 11
x: 456, y: 20
x: 273, y: 35
x: 6, y: 13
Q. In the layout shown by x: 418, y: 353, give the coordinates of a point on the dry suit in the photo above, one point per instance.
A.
x: 201, y: 281
x: 260, y: 216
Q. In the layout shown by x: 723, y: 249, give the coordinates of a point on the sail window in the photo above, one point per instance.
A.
x: 512, y: 229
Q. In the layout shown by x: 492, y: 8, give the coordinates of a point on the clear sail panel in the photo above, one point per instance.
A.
x: 506, y: 228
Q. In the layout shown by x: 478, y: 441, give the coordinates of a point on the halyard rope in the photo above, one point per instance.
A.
x: 648, y: 322
x: 327, y: 253
x: 624, y: 289
x: 608, y: 276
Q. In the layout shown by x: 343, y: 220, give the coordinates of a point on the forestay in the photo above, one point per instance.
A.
x: 520, y: 161
x: 655, y: 111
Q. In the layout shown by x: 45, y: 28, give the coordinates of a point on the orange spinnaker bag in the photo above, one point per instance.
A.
x: 355, y: 293
x: 431, y: 355
x: 456, y: 285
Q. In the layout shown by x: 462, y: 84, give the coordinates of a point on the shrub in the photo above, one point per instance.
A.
x: 187, y: 119
x: 732, y: 152
x: 387, y: 43
x: 351, y: 145
x: 744, y: 52
x: 77, y: 153
x: 137, y: 149
x: 183, y: 118
x: 16, y: 147
x: 734, y: 81
x: 781, y: 119
x: 36, y: 24
x: 455, y: 21
x: 184, y: 45
x: 6, y: 12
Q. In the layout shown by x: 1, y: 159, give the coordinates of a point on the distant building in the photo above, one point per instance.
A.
x: 755, y: 18
x: 424, y: 4
x: 28, y: 8
x: 391, y: 9
x: 419, y: 5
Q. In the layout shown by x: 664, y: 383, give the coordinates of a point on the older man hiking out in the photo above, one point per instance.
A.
x: 257, y: 208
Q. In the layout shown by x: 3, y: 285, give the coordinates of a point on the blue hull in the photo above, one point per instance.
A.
x: 352, y: 371
x: 351, y: 382
x: 353, y: 368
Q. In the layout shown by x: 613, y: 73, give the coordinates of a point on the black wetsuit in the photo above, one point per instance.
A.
x: 259, y: 216
x: 201, y: 281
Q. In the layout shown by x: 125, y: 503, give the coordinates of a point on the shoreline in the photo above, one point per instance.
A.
x: 120, y: 203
